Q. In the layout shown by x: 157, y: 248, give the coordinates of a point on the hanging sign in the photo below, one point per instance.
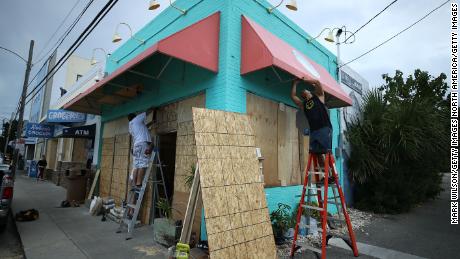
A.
x: 65, y: 116
x: 37, y: 130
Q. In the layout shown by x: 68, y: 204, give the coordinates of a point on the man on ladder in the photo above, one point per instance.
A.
x: 312, y: 104
x: 315, y: 110
x: 141, y: 148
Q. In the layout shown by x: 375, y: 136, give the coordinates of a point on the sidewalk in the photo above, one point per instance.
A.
x: 72, y: 232
x: 425, y: 231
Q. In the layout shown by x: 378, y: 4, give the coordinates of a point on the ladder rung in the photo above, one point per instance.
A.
x: 308, y: 226
x: 128, y: 221
x: 138, y: 191
x: 133, y: 206
x: 330, y: 184
x: 330, y: 199
x: 336, y: 219
x: 319, y: 223
x: 309, y: 247
x: 312, y: 207
x: 318, y: 173
x: 339, y: 236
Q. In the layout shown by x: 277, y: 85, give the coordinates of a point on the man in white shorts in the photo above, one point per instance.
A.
x: 141, y: 146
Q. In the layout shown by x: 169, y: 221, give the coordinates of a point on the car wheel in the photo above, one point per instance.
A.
x: 4, y: 222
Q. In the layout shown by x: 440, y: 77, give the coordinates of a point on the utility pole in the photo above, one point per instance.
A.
x: 9, y: 132
x: 22, y: 104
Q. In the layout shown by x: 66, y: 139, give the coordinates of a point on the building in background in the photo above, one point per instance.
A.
x: 46, y: 98
x: 355, y: 87
x: 77, y: 138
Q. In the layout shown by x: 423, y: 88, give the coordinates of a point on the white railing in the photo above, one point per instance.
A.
x: 84, y: 83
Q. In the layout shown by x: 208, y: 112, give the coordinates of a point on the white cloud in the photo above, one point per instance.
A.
x: 425, y: 46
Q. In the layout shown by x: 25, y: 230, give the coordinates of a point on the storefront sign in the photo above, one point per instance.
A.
x: 37, y: 130
x: 65, y: 116
x: 351, y: 82
x: 79, y: 132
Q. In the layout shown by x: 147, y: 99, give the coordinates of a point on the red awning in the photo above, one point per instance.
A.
x: 197, y: 44
x: 261, y: 49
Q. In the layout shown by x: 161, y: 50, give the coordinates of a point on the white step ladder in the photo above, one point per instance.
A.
x: 126, y: 221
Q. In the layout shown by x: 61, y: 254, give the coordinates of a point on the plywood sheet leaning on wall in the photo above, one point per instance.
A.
x: 237, y: 219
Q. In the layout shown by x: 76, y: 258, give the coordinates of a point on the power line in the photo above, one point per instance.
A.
x: 383, y: 10
x: 67, y: 32
x: 61, y: 41
x: 14, y: 53
x: 397, y: 34
x: 38, y: 72
x: 58, y: 28
x: 102, y: 13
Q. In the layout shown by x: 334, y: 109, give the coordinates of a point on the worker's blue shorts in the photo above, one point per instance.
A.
x: 321, y: 140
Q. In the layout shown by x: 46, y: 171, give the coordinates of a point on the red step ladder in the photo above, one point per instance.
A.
x: 331, y: 180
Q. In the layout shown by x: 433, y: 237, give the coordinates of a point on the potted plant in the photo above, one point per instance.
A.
x: 165, y: 228
x: 281, y: 220
x: 188, y: 179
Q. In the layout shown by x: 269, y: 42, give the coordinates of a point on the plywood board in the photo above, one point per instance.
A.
x: 233, y: 194
x: 263, y: 115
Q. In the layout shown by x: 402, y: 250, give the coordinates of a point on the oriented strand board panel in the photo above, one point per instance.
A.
x: 79, y: 153
x: 263, y: 114
x: 237, y: 218
x: 108, y: 147
x: 278, y: 138
x: 288, y: 147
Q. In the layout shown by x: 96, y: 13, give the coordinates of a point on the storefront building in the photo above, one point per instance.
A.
x: 223, y: 55
x: 46, y: 112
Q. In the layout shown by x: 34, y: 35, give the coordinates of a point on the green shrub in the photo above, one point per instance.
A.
x: 399, y: 143
x: 281, y: 219
x: 188, y: 179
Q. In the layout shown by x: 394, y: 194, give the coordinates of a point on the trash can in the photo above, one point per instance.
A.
x: 76, y: 185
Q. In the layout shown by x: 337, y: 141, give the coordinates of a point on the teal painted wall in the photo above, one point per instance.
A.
x: 180, y: 80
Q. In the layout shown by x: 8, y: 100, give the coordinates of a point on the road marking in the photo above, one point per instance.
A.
x: 374, y: 251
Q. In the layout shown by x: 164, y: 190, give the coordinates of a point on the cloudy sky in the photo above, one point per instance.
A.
x: 424, y: 46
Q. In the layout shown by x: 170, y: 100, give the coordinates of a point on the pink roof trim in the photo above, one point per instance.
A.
x: 260, y: 49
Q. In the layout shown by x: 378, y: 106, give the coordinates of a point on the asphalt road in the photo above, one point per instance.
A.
x: 425, y: 231
x: 10, y: 243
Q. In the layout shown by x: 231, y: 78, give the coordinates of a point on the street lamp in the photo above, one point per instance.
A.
x: 292, y: 5
x: 330, y: 38
x: 117, y: 38
x: 93, y: 60
x: 155, y: 5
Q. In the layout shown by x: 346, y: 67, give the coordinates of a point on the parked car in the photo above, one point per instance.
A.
x: 6, y: 194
